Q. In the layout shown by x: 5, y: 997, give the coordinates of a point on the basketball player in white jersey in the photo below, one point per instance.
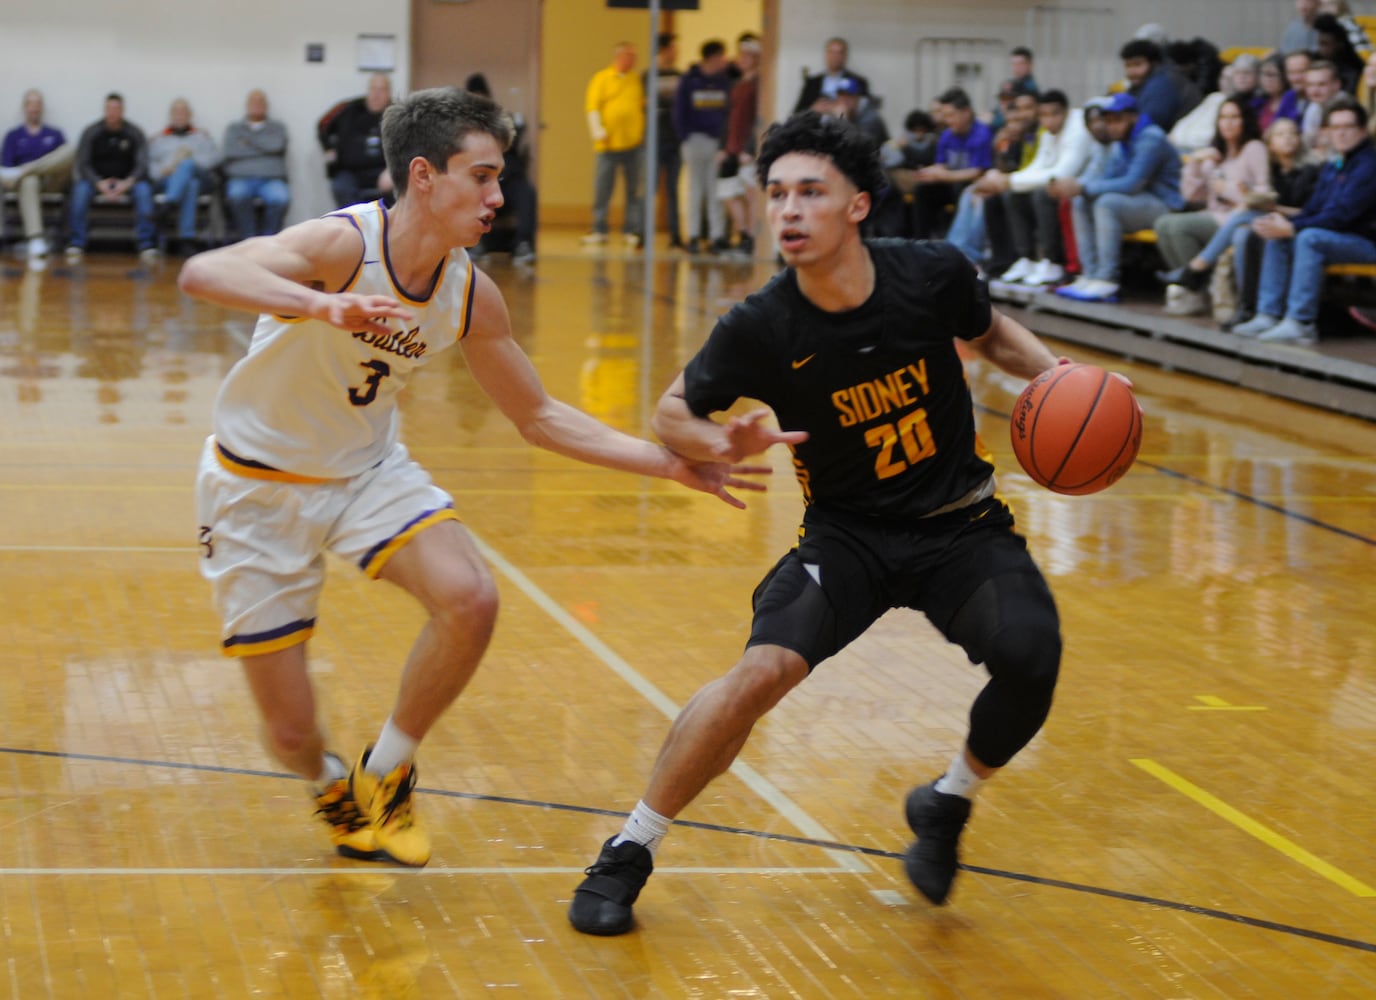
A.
x: 305, y: 456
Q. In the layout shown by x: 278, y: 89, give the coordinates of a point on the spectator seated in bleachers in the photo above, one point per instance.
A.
x: 1162, y: 93
x: 1021, y: 218
x: 181, y: 162
x: 1321, y: 86
x: 968, y: 230
x: 255, y: 168
x: 1140, y: 183
x: 111, y: 164
x: 964, y: 151
x: 1219, y: 176
x: 1366, y: 88
x: 902, y: 157
x: 1272, y: 90
x: 36, y: 158
x: 1336, y: 226
x: 1293, y: 173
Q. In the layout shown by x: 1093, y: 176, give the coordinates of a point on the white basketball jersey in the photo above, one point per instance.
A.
x: 310, y: 401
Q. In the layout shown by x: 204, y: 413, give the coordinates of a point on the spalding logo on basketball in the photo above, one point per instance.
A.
x: 1076, y: 429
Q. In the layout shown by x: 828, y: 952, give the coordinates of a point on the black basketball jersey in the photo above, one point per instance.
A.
x: 880, y: 388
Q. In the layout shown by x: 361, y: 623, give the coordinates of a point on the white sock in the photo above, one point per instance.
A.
x: 959, y: 779
x: 331, y: 770
x: 392, y: 749
x: 644, y: 826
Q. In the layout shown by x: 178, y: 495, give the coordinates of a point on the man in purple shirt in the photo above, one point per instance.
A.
x: 964, y: 152
x: 35, y: 158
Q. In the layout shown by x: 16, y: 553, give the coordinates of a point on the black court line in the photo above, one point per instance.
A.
x: 1313, y: 522
x: 874, y: 852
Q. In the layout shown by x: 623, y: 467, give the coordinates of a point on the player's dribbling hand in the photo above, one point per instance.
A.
x: 747, y: 435
x: 356, y: 313
x: 1118, y: 375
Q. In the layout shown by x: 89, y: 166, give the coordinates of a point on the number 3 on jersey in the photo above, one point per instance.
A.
x: 912, y: 432
x: 366, y: 393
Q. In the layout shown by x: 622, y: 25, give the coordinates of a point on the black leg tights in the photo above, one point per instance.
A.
x: 1010, y: 625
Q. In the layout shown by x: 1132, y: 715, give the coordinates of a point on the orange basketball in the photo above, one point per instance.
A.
x: 1076, y: 429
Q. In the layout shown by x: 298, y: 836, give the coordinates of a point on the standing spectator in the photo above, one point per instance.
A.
x: 1299, y: 34
x: 1160, y: 94
x: 700, y: 109
x: 1021, y: 80
x: 180, y: 160
x: 1342, y: 12
x: 35, y: 158
x: 519, y: 196
x: 255, y: 167
x: 615, y: 105
x: 1140, y: 183
x: 350, y: 133
x: 1337, y: 226
x: 819, y: 91
x: 1321, y: 85
x: 737, y: 188
x: 112, y: 163
x: 1335, y: 46
x: 1021, y: 219
x: 668, y: 158
x: 1220, y: 175
x: 964, y: 151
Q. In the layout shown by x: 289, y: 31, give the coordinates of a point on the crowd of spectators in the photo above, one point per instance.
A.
x: 1252, y: 175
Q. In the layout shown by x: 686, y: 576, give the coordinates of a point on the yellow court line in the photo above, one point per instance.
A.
x: 1265, y: 834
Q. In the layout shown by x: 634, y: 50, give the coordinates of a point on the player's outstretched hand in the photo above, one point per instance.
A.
x: 356, y: 313
x: 748, y: 435
x: 719, y: 478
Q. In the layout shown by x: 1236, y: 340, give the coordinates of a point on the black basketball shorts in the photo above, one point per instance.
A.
x: 848, y: 570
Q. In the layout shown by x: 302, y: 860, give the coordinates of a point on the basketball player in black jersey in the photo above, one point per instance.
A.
x: 852, y: 348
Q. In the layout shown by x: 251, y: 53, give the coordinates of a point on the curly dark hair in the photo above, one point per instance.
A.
x: 852, y: 152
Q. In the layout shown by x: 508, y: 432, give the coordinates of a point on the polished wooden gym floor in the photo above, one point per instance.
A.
x: 1197, y: 819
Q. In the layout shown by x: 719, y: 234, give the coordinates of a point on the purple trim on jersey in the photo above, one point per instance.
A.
x: 361, y: 254
x: 468, y: 299
x: 387, y: 260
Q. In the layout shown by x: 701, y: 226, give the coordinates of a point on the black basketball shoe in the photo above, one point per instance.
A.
x: 937, y: 819
x: 602, y: 902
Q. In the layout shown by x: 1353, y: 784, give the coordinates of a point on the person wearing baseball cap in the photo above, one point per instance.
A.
x: 1140, y: 183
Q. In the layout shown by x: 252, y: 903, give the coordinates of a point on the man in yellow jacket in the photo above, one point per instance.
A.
x: 616, y: 119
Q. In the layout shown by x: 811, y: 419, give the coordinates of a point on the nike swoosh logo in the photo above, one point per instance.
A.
x: 799, y: 364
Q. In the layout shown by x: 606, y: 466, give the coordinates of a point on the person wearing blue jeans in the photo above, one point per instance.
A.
x: 111, y: 163
x: 967, y: 232
x: 180, y: 160
x: 254, y: 163
x: 1140, y: 183
x: 1336, y: 226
